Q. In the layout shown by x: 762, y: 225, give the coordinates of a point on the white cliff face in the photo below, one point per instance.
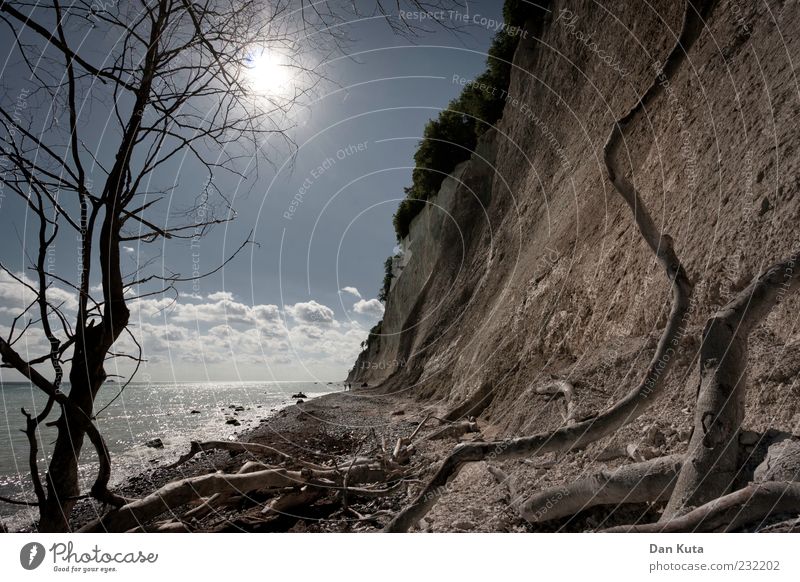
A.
x: 528, y: 263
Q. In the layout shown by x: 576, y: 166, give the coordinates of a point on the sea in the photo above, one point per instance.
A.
x: 175, y: 412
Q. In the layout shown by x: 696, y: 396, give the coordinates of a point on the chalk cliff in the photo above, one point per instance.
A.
x: 527, y: 264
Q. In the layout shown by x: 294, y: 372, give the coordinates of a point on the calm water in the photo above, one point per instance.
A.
x: 142, y: 412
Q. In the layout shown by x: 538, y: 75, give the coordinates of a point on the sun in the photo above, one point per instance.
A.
x: 268, y: 73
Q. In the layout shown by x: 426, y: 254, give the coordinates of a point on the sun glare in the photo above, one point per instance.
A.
x: 268, y: 73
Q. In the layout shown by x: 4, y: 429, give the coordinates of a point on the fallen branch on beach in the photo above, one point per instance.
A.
x: 197, y: 447
x: 184, y: 491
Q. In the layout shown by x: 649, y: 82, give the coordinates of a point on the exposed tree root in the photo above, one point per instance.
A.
x: 648, y: 482
x: 745, y: 507
x: 713, y: 449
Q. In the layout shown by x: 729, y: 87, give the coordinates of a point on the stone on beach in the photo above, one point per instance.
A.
x: 155, y: 443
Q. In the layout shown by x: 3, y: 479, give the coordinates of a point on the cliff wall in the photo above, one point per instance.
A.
x: 528, y: 264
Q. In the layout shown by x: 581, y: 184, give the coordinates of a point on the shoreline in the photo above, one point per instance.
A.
x: 323, y: 429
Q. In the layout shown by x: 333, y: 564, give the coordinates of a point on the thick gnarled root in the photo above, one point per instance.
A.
x: 750, y: 506
x: 647, y: 482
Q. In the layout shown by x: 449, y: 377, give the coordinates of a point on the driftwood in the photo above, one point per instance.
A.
x: 288, y: 489
x: 184, y: 491
x: 197, y: 447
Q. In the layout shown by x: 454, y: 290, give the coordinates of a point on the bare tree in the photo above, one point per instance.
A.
x: 173, y: 78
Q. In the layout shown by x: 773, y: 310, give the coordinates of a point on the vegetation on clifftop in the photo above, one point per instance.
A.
x: 451, y: 138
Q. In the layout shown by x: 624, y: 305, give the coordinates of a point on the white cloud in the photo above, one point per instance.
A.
x: 128, y: 249
x: 312, y: 313
x: 220, y: 296
x: 17, y: 295
x: 352, y: 291
x: 226, y: 311
x: 371, y: 307
x: 194, y: 296
x: 187, y: 336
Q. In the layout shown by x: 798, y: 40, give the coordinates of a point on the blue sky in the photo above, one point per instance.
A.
x: 321, y: 217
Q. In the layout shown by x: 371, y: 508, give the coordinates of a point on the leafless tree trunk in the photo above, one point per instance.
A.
x: 173, y: 59
x: 175, y: 87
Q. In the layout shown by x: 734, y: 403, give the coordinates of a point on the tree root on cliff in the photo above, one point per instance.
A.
x: 647, y: 482
x: 745, y: 507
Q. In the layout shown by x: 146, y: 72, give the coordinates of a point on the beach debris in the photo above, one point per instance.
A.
x: 299, y: 395
x: 155, y: 443
x: 195, y: 412
x: 233, y: 421
x: 398, y: 413
x: 289, y: 483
